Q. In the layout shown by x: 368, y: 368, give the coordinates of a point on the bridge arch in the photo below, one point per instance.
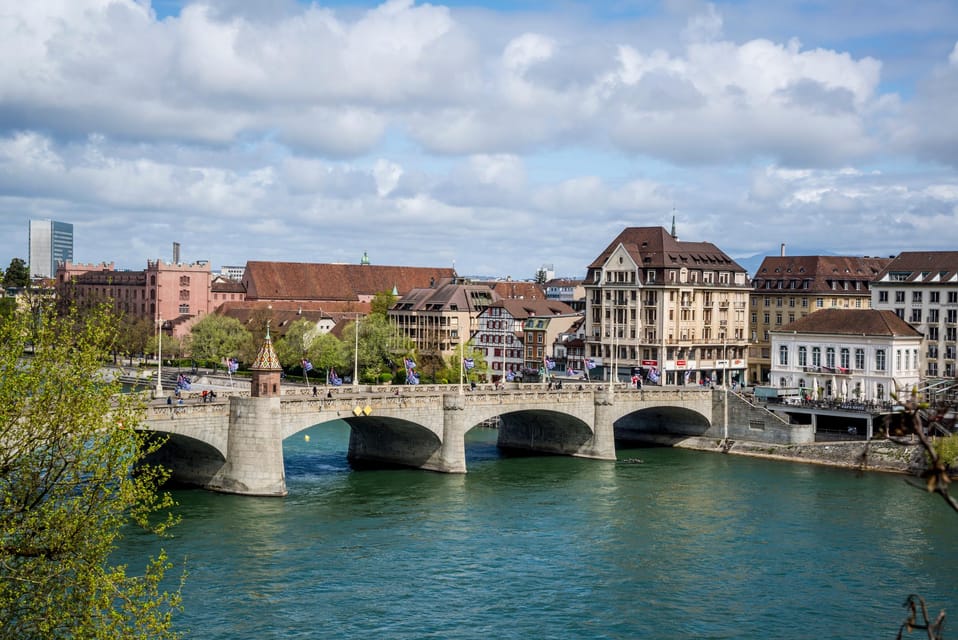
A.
x: 661, y: 424
x: 191, y: 461
x: 543, y: 431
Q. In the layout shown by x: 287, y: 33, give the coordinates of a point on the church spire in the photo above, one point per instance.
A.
x: 674, y: 235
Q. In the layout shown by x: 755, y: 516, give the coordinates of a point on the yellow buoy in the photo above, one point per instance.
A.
x: 307, y: 437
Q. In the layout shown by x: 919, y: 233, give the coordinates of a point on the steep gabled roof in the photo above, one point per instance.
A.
x: 655, y: 247
x: 852, y: 322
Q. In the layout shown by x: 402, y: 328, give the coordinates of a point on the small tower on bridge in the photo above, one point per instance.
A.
x: 254, y: 449
x: 266, y: 371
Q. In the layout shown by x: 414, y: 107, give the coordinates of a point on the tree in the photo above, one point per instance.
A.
x: 326, y: 352
x: 215, y: 338
x: 17, y: 274
x: 381, y: 303
x: 134, y: 334
x: 541, y: 276
x: 380, y: 346
x: 71, y: 482
x: 292, y: 347
x: 480, y: 368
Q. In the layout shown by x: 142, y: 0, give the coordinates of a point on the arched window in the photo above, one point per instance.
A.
x: 781, y: 382
x: 783, y: 355
x: 816, y: 356
x: 830, y: 357
x: 845, y: 358
x: 880, y: 360
x: 803, y: 356
x: 880, y: 391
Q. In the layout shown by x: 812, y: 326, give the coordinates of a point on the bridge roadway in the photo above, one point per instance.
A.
x: 234, y: 444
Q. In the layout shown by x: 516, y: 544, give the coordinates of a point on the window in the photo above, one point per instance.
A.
x: 952, y: 297
x: 899, y: 296
x: 802, y: 356
x: 915, y: 316
x: 883, y: 296
x: 804, y: 303
x: 898, y: 360
x: 880, y: 391
x: 816, y: 356
x: 783, y: 356
x: 819, y: 302
x: 767, y: 317
x: 933, y: 296
x: 860, y: 359
x: 778, y: 318
x: 916, y: 297
x: 844, y: 356
x: 880, y: 360
x: 184, y: 308
x: 830, y: 357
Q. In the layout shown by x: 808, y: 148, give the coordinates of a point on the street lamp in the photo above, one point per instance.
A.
x: 159, y: 359
x: 356, y: 354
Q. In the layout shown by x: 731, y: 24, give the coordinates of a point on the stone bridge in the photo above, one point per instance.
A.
x: 234, y: 444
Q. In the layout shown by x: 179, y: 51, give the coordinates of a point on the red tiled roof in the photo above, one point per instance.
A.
x: 777, y: 273
x: 332, y: 282
x: 857, y: 322
x: 655, y: 247
x: 924, y: 266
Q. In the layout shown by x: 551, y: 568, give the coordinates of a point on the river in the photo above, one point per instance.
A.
x: 662, y: 544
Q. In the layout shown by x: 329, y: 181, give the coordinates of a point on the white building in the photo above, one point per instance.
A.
x: 848, y: 354
x: 921, y: 287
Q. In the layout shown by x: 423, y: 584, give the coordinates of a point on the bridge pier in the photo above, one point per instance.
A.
x: 602, y: 444
x: 254, y: 452
x: 453, y: 450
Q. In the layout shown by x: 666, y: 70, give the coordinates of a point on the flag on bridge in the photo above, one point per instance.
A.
x: 550, y: 364
x: 334, y: 379
x: 410, y: 363
x: 232, y: 365
x: 468, y: 363
x: 307, y: 365
x: 589, y: 363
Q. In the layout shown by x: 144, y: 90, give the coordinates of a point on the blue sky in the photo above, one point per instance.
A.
x: 493, y: 136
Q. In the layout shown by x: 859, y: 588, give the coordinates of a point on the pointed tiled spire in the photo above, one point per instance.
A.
x: 266, y: 359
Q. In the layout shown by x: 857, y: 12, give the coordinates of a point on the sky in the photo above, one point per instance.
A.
x: 494, y: 137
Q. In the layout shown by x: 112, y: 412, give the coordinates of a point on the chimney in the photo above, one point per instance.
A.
x: 176, y: 253
x: 782, y: 250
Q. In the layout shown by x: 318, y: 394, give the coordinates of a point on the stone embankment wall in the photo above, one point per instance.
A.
x: 877, y: 455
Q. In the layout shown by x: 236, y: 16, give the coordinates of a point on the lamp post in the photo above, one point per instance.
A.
x: 159, y: 359
x: 356, y: 354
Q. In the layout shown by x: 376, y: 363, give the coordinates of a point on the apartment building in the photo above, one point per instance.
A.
x: 438, y: 318
x: 500, y: 332
x: 657, y: 303
x: 862, y: 355
x: 921, y: 287
x: 787, y: 288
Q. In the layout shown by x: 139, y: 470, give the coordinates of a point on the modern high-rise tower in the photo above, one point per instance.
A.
x: 50, y: 242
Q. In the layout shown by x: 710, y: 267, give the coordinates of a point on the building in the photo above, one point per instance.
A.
x: 786, y: 288
x: 232, y: 272
x: 921, y: 287
x: 673, y: 308
x: 568, y: 291
x: 540, y: 334
x: 223, y: 289
x: 175, y: 294
x: 51, y: 243
x: 316, y: 282
x: 847, y: 354
x: 438, y: 318
x: 500, y: 331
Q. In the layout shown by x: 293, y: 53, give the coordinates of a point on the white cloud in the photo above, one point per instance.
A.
x: 468, y: 126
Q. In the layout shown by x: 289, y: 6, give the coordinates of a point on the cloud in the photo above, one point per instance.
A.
x: 304, y: 131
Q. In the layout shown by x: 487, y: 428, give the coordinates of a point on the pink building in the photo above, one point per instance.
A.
x: 177, y: 294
